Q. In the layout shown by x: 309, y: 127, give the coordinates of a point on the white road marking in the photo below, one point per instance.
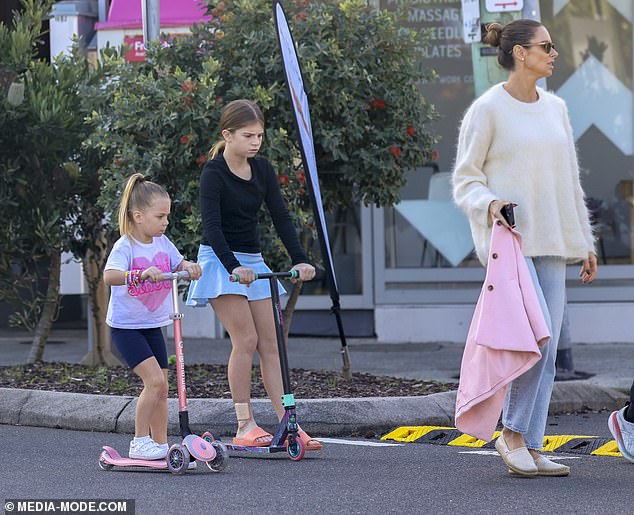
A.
x: 486, y: 452
x: 359, y: 442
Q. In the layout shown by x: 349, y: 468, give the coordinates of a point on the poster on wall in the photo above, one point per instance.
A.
x: 471, y: 32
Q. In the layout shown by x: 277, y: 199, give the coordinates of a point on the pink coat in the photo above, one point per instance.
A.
x: 507, y: 329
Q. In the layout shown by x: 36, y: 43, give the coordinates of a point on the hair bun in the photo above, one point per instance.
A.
x: 493, y: 34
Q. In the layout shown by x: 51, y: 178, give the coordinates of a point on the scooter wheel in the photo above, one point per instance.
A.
x: 177, y: 459
x: 220, y: 462
x: 103, y: 465
x: 295, y: 448
x: 208, y: 437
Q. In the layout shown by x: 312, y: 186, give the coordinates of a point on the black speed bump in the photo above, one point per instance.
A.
x: 441, y: 435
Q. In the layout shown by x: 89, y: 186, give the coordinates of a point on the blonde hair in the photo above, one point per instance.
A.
x: 235, y: 115
x: 138, y: 194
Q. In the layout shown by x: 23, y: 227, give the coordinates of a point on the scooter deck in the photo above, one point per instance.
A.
x: 268, y: 449
x: 112, y: 457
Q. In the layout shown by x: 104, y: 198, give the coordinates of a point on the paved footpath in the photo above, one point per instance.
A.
x: 611, y: 363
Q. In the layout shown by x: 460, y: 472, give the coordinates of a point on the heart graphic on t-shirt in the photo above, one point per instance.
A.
x: 150, y: 294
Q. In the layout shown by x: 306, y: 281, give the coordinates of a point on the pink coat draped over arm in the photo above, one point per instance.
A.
x: 506, y: 332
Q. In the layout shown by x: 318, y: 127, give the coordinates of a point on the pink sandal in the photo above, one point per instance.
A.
x: 253, y: 437
x: 310, y: 444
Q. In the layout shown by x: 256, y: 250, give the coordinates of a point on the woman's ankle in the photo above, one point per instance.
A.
x: 513, y: 439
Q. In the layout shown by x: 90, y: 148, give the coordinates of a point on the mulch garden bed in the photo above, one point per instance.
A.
x: 209, y: 381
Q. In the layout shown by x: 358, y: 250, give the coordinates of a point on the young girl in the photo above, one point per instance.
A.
x: 233, y: 185
x: 140, y: 305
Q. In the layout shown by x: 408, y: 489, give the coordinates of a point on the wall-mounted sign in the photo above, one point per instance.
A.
x: 471, y: 21
x: 503, y: 6
x: 136, y: 48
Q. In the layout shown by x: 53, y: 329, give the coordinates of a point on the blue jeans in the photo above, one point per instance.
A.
x: 528, y: 397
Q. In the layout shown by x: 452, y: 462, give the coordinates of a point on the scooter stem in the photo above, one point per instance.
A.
x: 177, y: 317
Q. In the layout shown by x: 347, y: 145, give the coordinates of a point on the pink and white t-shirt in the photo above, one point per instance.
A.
x: 149, y: 304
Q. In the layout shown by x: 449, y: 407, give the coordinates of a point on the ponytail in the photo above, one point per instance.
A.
x: 218, y: 147
x: 138, y: 194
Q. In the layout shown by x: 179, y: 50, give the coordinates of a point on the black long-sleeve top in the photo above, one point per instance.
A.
x: 229, y: 208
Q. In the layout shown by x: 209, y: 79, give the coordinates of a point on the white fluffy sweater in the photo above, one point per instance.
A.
x: 525, y: 153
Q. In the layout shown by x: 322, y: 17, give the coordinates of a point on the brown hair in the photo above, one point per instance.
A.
x: 138, y: 194
x: 517, y: 32
x: 235, y: 115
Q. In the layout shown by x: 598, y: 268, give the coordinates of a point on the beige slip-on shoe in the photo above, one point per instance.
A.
x: 546, y: 467
x: 518, y: 460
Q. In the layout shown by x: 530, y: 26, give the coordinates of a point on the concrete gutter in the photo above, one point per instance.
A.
x: 321, y: 417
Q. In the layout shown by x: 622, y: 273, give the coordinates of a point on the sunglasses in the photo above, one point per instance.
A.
x: 548, y: 46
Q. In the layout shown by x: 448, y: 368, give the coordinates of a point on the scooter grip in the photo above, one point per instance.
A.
x: 168, y: 276
x: 235, y: 278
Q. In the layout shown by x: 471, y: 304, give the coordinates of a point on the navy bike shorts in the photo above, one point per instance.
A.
x: 137, y: 345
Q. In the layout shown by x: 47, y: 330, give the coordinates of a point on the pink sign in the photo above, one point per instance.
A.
x: 136, y: 49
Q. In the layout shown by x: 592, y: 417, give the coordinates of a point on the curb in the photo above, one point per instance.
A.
x: 323, y: 417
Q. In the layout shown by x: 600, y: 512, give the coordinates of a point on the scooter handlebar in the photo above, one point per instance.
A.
x: 169, y: 276
x: 292, y: 274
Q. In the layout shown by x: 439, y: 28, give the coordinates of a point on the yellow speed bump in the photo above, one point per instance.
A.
x: 609, y: 449
x: 577, y: 444
x: 466, y: 440
x: 552, y: 443
x: 411, y: 433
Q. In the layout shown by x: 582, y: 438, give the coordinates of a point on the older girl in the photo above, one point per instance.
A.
x: 233, y: 185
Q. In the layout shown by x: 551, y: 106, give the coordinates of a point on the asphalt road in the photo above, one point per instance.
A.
x: 348, y: 476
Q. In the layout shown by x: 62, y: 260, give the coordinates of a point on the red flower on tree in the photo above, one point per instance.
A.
x: 185, y: 139
x: 201, y: 159
x: 301, y: 16
x: 411, y: 131
x: 187, y: 86
x: 377, y: 103
x: 301, y: 177
x: 284, y: 180
x: 395, y: 151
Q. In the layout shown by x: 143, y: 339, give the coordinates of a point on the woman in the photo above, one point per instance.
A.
x: 233, y: 185
x: 516, y: 147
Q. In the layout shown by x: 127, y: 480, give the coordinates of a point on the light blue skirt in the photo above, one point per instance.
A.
x: 215, y: 279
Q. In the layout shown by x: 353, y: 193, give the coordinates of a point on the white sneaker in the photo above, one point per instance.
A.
x: 164, y: 448
x: 193, y: 465
x: 623, y: 432
x: 144, y: 448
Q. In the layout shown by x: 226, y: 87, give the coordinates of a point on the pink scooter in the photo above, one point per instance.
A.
x: 213, y: 453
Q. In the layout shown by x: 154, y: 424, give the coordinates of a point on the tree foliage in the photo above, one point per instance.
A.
x: 41, y: 130
x: 49, y: 184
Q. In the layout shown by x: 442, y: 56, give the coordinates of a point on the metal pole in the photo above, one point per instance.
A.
x: 150, y: 13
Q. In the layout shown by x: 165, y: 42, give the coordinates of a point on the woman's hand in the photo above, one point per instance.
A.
x: 306, y: 272
x: 193, y: 268
x: 246, y: 275
x: 495, y: 212
x: 588, y: 269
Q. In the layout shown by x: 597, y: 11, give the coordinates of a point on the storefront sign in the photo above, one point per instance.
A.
x: 136, y: 48
x: 471, y: 21
x: 503, y: 6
